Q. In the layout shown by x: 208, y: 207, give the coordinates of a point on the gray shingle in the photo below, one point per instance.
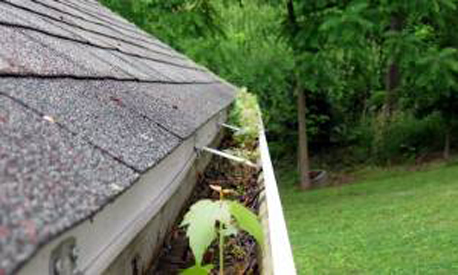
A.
x: 134, y: 96
x: 197, y: 102
x: 31, y: 52
x: 107, y: 16
x: 11, y: 15
x: 81, y: 113
x: 84, y: 109
x: 81, y: 55
x: 98, y: 34
x: 138, y: 69
x: 50, y: 180
x: 180, y: 109
x: 26, y: 56
x: 94, y: 8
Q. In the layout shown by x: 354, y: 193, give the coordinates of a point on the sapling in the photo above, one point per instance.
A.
x: 202, y: 219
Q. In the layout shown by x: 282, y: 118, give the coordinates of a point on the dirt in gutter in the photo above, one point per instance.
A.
x: 240, y: 251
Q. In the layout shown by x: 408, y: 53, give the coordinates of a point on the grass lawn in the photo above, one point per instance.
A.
x: 390, y: 222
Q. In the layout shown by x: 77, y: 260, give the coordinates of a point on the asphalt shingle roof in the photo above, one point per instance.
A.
x: 88, y: 102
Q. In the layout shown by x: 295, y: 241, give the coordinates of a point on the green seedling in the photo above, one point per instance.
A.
x: 207, y: 219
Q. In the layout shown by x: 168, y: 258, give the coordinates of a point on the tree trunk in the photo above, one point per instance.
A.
x: 303, y: 154
x: 392, y: 81
x: 447, y: 144
x: 304, y: 163
x: 393, y: 75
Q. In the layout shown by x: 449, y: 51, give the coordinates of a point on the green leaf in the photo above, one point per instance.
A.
x: 230, y: 230
x: 247, y: 220
x: 201, y: 220
x: 198, y: 270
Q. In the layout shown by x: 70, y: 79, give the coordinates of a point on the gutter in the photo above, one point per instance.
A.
x: 130, y: 230
x: 125, y: 237
x: 277, y: 253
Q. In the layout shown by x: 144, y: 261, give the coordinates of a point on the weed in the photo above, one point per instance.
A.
x: 228, y: 217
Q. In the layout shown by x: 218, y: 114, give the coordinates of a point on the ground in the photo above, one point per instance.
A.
x: 385, y: 222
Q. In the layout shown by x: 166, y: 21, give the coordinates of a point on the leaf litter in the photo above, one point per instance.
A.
x: 241, y: 251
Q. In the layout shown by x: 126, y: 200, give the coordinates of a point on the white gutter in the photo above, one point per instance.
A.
x: 120, y: 226
x: 156, y: 199
x: 279, y: 245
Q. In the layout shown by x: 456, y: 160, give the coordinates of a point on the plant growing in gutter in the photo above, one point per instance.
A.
x: 206, y: 220
x: 245, y: 114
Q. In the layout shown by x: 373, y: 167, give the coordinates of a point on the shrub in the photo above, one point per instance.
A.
x: 404, y: 138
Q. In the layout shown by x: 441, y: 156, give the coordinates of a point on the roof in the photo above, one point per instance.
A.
x: 88, y: 102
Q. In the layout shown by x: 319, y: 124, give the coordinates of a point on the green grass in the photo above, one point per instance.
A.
x: 391, y: 222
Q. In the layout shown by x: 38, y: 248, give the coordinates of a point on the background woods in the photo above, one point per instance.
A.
x: 350, y: 86
x: 377, y: 78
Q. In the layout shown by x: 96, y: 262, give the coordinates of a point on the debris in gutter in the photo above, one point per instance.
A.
x: 241, y: 252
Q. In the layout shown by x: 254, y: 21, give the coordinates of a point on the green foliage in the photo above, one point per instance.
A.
x: 437, y: 79
x: 345, y: 48
x: 405, y: 138
x: 437, y: 69
x: 339, y: 51
x: 246, y: 49
x: 246, y: 220
x: 198, y: 270
x: 245, y: 113
x: 201, y: 221
x: 179, y: 22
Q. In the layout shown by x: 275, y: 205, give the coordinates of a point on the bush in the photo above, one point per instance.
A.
x: 404, y: 138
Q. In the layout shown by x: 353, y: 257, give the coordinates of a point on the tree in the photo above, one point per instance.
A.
x: 398, y: 20
x: 437, y: 79
x: 433, y: 75
x: 303, y: 159
x: 353, y: 61
x: 176, y: 21
x: 313, y: 28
